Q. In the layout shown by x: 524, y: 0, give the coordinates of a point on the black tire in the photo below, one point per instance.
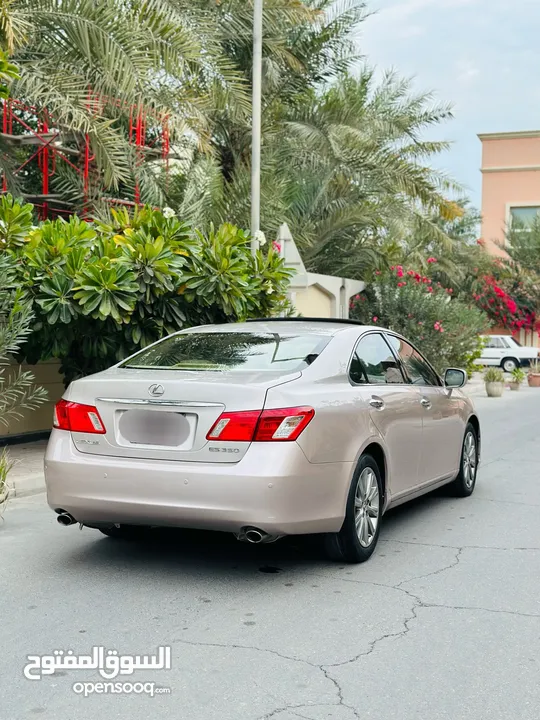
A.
x: 124, y: 532
x: 464, y: 484
x: 345, y: 545
x: 509, y: 364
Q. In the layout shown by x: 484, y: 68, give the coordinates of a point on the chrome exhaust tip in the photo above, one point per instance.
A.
x: 254, y: 536
x: 65, y: 519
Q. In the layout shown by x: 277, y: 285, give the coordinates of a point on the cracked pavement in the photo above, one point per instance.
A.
x: 443, y: 622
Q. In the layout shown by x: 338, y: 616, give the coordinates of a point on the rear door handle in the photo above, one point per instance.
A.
x: 376, y: 403
x: 425, y: 403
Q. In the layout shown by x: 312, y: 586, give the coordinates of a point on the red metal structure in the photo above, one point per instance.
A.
x: 34, y: 131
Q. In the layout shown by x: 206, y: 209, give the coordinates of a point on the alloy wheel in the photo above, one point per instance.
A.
x: 470, y: 459
x: 366, y: 507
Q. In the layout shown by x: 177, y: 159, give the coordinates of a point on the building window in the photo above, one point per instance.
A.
x: 522, y: 219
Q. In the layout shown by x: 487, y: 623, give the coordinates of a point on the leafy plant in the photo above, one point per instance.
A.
x: 17, y: 389
x: 6, y: 465
x: 103, y: 291
x: 15, y: 223
x: 518, y: 375
x: 493, y: 375
x: 534, y: 368
x: 8, y: 73
x: 471, y: 365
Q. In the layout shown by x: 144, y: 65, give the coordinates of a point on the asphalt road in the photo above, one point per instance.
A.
x: 442, y: 623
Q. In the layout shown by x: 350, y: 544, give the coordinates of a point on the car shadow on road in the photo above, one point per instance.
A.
x: 220, y: 555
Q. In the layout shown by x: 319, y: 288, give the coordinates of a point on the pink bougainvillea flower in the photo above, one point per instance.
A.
x: 410, y: 272
x: 512, y: 306
x: 432, y: 260
x: 377, y: 272
x: 276, y: 246
x: 429, y: 289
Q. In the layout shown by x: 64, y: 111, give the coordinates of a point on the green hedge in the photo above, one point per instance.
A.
x: 99, y: 292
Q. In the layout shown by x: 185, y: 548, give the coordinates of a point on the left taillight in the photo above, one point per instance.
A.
x: 77, y: 418
x: 283, y: 424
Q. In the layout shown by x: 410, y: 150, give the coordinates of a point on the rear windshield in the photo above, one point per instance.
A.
x: 231, y: 351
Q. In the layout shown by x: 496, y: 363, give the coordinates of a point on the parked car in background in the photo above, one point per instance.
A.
x: 506, y: 352
x: 263, y: 429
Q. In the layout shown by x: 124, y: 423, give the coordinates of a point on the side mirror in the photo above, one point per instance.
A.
x: 455, y: 378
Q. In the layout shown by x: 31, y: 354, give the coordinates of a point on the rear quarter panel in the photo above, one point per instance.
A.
x: 342, y: 425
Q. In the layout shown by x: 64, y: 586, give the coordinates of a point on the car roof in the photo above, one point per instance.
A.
x: 288, y: 326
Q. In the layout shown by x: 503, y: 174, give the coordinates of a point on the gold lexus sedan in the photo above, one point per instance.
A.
x: 262, y: 429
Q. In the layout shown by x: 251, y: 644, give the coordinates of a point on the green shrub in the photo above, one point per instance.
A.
x: 494, y: 375
x: 445, y: 329
x: 103, y: 291
x: 518, y: 375
x: 17, y: 390
x: 6, y: 465
x: 470, y: 364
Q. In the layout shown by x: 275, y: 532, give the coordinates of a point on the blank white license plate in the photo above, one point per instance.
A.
x: 157, y: 427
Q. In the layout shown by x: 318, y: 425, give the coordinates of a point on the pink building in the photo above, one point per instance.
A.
x: 510, y: 191
x: 510, y: 184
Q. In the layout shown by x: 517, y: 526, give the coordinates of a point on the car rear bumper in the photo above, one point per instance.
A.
x: 273, y: 488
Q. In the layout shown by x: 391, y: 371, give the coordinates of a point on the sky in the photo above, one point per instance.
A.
x: 483, y: 56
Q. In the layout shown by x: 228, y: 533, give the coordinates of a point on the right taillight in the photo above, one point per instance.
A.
x: 77, y: 418
x: 280, y: 425
x: 283, y: 424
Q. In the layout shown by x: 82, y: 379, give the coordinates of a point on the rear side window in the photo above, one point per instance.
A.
x: 416, y: 367
x: 232, y: 351
x: 374, y: 363
x: 495, y: 342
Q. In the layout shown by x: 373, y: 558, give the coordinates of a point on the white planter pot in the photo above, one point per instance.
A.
x: 494, y: 389
x: 514, y: 386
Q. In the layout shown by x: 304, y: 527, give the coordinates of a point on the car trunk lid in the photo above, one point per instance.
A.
x: 167, y: 414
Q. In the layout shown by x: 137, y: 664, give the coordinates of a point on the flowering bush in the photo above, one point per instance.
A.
x: 512, y: 310
x: 499, y: 306
x: 444, y: 328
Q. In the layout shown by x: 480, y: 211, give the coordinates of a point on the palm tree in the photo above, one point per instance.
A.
x: 343, y: 162
x: 88, y: 62
x: 347, y: 169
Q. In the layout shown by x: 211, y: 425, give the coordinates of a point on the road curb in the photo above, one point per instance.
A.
x: 28, y: 485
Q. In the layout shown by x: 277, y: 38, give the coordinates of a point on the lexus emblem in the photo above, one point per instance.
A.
x: 156, y: 390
